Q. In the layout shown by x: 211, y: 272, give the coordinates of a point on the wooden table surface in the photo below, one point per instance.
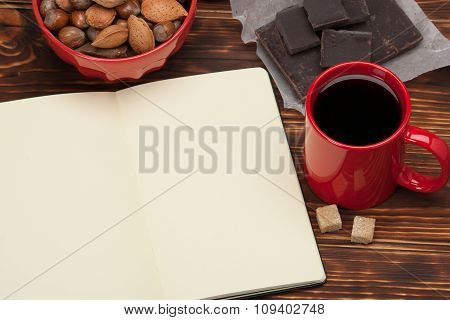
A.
x: 410, y: 256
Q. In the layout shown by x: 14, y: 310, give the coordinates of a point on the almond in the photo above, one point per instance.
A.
x: 140, y: 35
x: 109, y: 3
x: 99, y: 17
x: 111, y: 37
x: 113, y: 53
x: 162, y: 10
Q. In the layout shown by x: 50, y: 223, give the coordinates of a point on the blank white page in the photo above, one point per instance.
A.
x: 220, y: 234
x: 66, y: 177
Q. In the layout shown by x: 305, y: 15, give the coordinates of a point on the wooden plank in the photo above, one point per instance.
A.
x: 366, y: 272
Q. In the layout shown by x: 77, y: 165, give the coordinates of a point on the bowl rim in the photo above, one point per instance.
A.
x: 53, y: 38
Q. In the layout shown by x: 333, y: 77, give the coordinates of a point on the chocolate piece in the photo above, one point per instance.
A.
x: 300, y: 69
x: 357, y: 11
x: 325, y: 13
x: 343, y: 46
x: 295, y: 30
x: 363, y: 27
x: 392, y: 31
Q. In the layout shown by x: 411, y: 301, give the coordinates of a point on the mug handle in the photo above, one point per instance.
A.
x: 415, y: 181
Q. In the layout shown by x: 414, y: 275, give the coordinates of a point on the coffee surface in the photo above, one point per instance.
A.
x: 357, y: 110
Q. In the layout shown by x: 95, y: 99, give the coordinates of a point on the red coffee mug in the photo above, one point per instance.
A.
x: 358, y: 177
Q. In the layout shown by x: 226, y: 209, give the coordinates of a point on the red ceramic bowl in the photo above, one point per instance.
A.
x: 122, y: 68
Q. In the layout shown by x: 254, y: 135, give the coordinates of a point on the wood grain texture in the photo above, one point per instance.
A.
x: 410, y: 256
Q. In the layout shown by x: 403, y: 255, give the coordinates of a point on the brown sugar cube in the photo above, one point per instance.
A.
x: 363, y: 229
x: 328, y: 218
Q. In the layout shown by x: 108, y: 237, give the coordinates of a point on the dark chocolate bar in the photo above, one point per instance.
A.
x: 357, y: 11
x: 343, y: 46
x: 325, y: 14
x: 363, y: 27
x: 295, y: 30
x: 392, y: 31
x: 300, y: 69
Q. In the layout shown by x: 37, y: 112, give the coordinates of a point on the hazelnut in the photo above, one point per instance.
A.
x: 55, y: 19
x: 81, y: 4
x: 163, y: 31
x: 92, y: 33
x: 46, y: 5
x: 122, y: 22
x: 109, y: 3
x: 78, y: 19
x: 130, y: 7
x: 65, y: 5
x: 72, y: 37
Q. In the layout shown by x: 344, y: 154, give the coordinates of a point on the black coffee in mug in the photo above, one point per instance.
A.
x: 357, y: 110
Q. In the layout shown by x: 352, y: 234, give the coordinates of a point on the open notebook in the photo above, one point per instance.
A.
x: 79, y: 220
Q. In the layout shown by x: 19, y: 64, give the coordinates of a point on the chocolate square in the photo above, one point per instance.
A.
x: 300, y: 69
x: 392, y: 31
x: 295, y: 30
x: 342, y: 46
x: 357, y: 11
x: 365, y: 26
x: 325, y: 14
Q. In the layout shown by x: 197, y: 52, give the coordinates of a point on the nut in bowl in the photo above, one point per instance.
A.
x: 115, y: 39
